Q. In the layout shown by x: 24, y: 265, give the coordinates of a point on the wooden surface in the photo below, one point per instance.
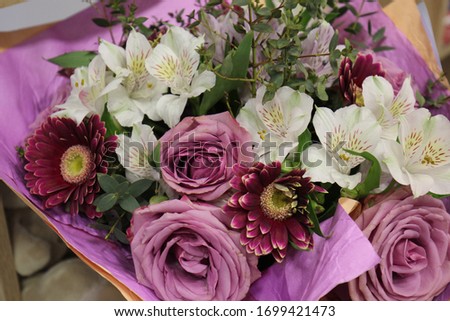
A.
x: 6, y: 3
x: 9, y: 284
x: 12, y: 38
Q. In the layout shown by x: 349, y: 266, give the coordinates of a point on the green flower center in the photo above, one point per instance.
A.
x: 76, y: 164
x: 278, y: 202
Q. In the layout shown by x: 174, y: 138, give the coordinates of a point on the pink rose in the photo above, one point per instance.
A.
x: 197, y: 155
x: 412, y: 237
x: 185, y: 251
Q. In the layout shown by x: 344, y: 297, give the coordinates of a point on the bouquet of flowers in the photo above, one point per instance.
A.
x: 218, y: 153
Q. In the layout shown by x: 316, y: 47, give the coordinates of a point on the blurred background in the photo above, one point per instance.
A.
x: 35, y: 263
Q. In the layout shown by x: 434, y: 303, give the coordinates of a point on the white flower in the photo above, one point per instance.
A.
x: 134, y: 152
x: 219, y: 30
x: 175, y: 62
x: 379, y: 97
x: 421, y: 158
x: 86, y: 97
x: 276, y: 124
x: 133, y: 92
x: 351, y: 128
x: 318, y: 42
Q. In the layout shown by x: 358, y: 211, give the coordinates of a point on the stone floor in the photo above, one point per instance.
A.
x: 46, y: 269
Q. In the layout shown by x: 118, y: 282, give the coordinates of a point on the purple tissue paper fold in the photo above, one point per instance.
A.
x: 307, y: 276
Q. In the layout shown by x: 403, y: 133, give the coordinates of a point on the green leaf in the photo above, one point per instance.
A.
x: 270, y: 5
x: 379, y: 35
x: 120, y: 236
x: 240, y: 59
x: 123, y: 188
x: 321, y: 92
x: 241, y: 3
x: 158, y: 199
x: 119, y: 178
x: 73, y: 59
x: 111, y: 124
x: 102, y: 22
x: 373, y: 177
x: 264, y: 12
x: 107, y: 183
x: 155, y: 157
x: 439, y: 196
x: 139, y: 187
x: 304, y: 141
x: 262, y: 27
x: 383, y: 48
x: 313, y: 216
x: 334, y: 42
x: 107, y: 202
x: 129, y: 204
x: 213, y: 3
x: 420, y: 99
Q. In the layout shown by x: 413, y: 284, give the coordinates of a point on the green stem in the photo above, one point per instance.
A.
x: 114, y: 226
x: 250, y: 12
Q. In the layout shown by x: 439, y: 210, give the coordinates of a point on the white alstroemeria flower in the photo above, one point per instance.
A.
x: 218, y: 30
x: 349, y: 128
x: 379, y: 97
x: 133, y: 153
x: 86, y: 97
x: 133, y: 92
x: 175, y: 62
x: 276, y: 124
x: 318, y: 42
x: 421, y: 158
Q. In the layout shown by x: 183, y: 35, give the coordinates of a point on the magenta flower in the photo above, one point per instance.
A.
x: 352, y: 75
x: 63, y: 162
x: 271, y: 210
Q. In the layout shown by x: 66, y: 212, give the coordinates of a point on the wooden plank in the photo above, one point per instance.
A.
x: 7, y: 3
x: 9, y: 283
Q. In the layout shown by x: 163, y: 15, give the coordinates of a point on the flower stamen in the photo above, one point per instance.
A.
x: 76, y: 164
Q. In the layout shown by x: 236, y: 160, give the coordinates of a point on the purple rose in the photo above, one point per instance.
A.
x: 197, y: 155
x: 185, y: 251
x: 412, y: 237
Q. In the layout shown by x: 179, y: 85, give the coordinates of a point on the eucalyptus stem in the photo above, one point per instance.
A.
x: 253, y: 88
x: 234, y: 78
x: 114, y: 226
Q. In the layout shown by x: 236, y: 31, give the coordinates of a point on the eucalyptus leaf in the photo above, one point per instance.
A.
x: 241, y: 3
x: 107, y: 183
x: 107, y: 202
x: 120, y: 236
x: 73, y: 59
x: 139, y: 187
x: 129, y: 204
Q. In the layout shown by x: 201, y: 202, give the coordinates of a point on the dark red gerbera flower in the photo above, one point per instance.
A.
x: 352, y: 75
x: 271, y: 210
x: 64, y: 159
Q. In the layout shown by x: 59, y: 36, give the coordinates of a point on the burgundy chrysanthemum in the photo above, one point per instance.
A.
x: 64, y: 159
x: 271, y: 210
x: 352, y: 75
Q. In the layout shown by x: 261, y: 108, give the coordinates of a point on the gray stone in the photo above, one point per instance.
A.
x: 35, y: 245
x: 69, y: 280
